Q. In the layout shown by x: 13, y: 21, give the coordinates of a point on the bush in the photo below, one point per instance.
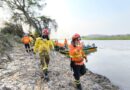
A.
x: 13, y: 29
x: 5, y: 45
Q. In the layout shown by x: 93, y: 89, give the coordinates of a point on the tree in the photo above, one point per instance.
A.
x: 28, y: 12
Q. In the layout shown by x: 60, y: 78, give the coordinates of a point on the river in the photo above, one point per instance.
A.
x: 112, y: 60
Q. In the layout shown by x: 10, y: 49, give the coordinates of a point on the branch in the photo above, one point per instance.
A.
x: 10, y: 4
x: 23, y: 3
x: 19, y: 3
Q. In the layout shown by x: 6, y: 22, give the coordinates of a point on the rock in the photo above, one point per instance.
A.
x: 2, y: 66
x: 96, y: 87
x: 6, y: 88
x: 4, y: 60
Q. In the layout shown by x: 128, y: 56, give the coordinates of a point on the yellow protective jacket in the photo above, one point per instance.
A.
x: 43, y: 45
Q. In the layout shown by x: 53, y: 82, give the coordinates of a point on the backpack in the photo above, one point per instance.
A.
x: 26, y: 40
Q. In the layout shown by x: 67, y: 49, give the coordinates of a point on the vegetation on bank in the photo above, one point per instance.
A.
x: 111, y: 37
x: 23, y: 12
x: 9, y: 35
x: 5, y: 46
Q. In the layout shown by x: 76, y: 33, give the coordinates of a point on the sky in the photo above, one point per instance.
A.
x: 89, y: 16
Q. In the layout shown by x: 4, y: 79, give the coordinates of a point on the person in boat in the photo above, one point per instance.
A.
x: 56, y: 45
x: 59, y: 46
x: 66, y: 43
x: 77, y: 57
x: 93, y: 45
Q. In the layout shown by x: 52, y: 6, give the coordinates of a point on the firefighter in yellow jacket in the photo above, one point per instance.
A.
x: 43, y: 46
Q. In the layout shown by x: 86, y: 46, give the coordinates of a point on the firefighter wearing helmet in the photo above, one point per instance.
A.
x: 43, y: 46
x: 77, y: 56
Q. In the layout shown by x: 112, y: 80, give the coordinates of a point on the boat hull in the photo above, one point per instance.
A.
x: 86, y: 50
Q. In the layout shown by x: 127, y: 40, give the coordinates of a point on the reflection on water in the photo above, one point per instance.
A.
x: 112, y: 60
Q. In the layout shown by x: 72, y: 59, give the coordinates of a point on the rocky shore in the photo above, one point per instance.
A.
x: 23, y: 73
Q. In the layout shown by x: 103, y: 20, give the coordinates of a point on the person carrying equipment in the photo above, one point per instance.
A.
x: 77, y: 57
x: 26, y: 40
x: 43, y: 47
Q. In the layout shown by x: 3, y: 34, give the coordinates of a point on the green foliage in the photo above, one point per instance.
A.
x: 12, y: 29
x: 27, y: 12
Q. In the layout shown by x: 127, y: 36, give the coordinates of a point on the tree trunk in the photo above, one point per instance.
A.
x: 31, y: 21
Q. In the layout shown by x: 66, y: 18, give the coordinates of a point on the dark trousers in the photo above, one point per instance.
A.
x: 78, y: 70
x: 27, y: 47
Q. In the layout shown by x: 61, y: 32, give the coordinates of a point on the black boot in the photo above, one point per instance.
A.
x: 46, y: 77
x: 79, y: 87
x: 26, y: 50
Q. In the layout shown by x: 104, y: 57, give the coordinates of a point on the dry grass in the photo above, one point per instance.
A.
x: 5, y: 46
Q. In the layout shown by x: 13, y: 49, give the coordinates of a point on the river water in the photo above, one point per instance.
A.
x: 112, y: 60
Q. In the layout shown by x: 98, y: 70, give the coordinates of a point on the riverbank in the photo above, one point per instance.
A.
x: 23, y: 73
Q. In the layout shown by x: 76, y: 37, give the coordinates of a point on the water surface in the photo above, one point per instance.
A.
x: 112, y: 60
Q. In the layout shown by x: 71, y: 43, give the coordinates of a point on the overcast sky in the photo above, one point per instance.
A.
x: 89, y: 16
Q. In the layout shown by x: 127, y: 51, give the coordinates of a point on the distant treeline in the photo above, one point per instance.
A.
x: 107, y: 37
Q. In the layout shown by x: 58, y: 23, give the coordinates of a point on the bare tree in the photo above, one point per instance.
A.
x: 27, y: 11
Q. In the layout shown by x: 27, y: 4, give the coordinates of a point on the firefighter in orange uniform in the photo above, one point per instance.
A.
x: 77, y: 57
x: 26, y: 40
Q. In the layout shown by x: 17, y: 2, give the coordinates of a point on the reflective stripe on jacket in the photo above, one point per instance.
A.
x: 76, y: 54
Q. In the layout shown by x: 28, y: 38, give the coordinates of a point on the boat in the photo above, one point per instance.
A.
x: 86, y: 50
